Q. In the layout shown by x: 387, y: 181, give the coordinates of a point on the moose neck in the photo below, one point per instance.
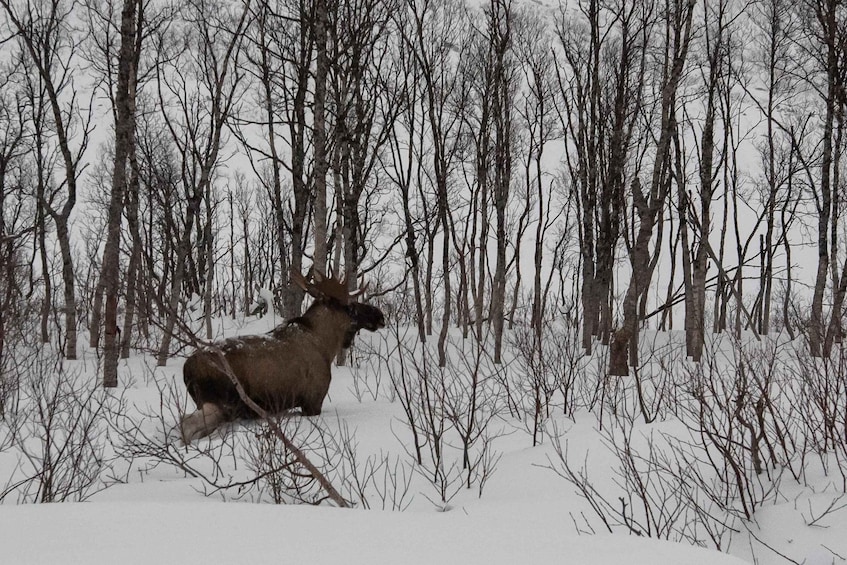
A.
x: 330, y: 323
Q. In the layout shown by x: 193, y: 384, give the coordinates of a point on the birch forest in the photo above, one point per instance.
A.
x: 616, y: 165
x: 627, y: 211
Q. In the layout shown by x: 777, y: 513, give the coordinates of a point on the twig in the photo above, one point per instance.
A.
x: 828, y: 510
x: 758, y: 539
x: 841, y: 557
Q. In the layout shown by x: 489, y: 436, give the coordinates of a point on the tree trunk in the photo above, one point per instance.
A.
x: 502, y: 114
x: 624, y: 347
x: 481, y: 275
x: 696, y: 299
x: 41, y: 229
x: 134, y: 271
x: 208, y: 236
x: 412, y: 253
x: 321, y: 166
x: 135, y: 268
x: 827, y: 19
x: 172, y: 306
x: 63, y: 235
x: 124, y: 146
x: 625, y: 340
x: 538, y: 252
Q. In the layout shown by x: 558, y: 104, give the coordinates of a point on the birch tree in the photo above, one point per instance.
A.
x: 649, y: 203
x: 46, y: 35
x: 198, y: 88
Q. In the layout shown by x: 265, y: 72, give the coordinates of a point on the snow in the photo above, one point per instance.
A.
x: 527, y: 513
x: 212, y: 532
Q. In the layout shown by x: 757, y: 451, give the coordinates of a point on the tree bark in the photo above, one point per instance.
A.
x: 321, y: 23
x: 502, y: 107
x: 40, y: 37
x: 124, y: 146
x: 826, y: 16
x: 624, y: 347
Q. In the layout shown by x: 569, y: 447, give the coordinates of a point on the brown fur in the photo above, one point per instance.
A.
x: 289, y: 367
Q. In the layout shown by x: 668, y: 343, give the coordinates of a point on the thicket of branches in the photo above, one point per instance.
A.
x: 619, y: 163
x: 551, y: 182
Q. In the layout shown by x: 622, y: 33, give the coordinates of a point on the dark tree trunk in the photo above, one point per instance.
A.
x: 624, y: 347
x: 695, y: 296
x: 124, y: 146
x: 41, y: 230
x: 826, y: 16
x: 502, y: 115
x: 321, y: 166
x: 69, y: 281
x: 172, y: 306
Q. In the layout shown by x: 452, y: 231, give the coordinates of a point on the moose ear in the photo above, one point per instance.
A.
x: 301, y: 281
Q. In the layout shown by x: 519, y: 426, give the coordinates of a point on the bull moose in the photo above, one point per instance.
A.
x: 289, y: 367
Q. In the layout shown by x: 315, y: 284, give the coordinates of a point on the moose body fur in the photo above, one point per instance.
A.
x: 289, y: 367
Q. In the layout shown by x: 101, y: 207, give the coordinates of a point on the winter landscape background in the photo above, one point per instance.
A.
x: 606, y: 235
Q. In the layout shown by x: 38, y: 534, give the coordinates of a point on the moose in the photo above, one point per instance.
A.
x: 289, y: 367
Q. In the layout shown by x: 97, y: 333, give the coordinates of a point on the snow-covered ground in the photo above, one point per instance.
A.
x: 183, y: 531
x: 154, y: 512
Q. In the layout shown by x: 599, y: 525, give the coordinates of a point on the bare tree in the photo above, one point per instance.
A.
x: 124, y: 98
x: 537, y: 110
x: 45, y: 33
x: 776, y: 25
x: 824, y: 31
x: 437, y: 31
x: 280, y: 55
x: 478, y: 70
x: 366, y: 103
x: 16, y: 219
x: 321, y: 24
x: 407, y: 160
x: 601, y: 84
x: 196, y: 119
x: 500, y: 26
x: 648, y: 205
x: 717, y: 35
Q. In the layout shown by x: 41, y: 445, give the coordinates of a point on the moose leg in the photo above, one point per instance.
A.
x: 311, y: 408
x: 312, y: 403
x: 201, y: 423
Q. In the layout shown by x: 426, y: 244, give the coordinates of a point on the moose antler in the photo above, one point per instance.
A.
x: 332, y: 287
x: 360, y: 291
x: 353, y: 293
x: 323, y: 287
